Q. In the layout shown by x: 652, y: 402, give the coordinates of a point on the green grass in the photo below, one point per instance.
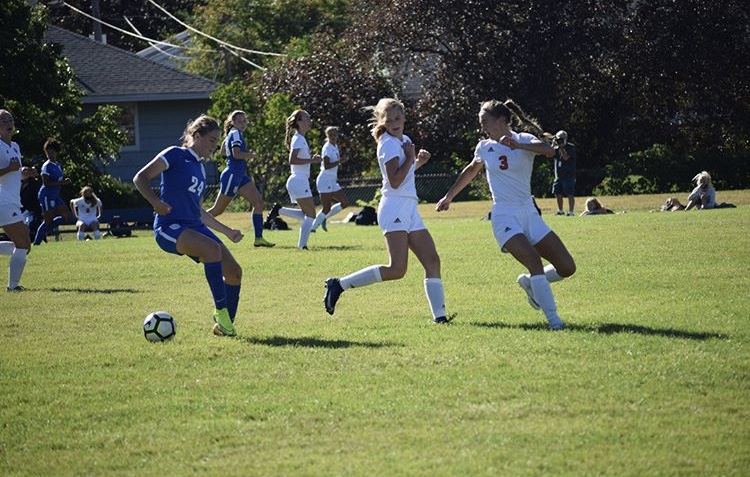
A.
x: 650, y: 378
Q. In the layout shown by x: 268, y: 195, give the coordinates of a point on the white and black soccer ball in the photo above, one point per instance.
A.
x: 159, y: 326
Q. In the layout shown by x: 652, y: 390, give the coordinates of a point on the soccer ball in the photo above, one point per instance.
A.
x: 159, y: 326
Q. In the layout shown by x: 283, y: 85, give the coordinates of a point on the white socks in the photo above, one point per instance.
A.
x: 551, y: 273
x: 321, y: 216
x: 293, y: 213
x: 364, y: 277
x: 433, y: 288
x: 304, y: 232
x: 17, y: 264
x: 543, y: 296
x: 6, y: 248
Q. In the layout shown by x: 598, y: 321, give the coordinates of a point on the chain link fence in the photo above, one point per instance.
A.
x: 361, y: 191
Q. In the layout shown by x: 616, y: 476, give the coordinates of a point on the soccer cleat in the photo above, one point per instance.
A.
x: 571, y: 214
x: 333, y: 292
x: 324, y: 225
x: 224, y: 323
x: 17, y: 288
x: 524, y: 281
x: 559, y: 212
x: 274, y: 211
x: 444, y: 320
x: 557, y: 325
x: 261, y: 242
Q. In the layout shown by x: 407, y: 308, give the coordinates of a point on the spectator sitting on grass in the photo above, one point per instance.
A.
x: 594, y: 207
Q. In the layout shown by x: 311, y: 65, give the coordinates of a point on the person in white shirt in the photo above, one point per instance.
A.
x: 327, y: 182
x: 398, y: 216
x: 508, y: 158
x: 704, y: 194
x: 11, y: 217
x: 298, y: 184
x: 87, y: 209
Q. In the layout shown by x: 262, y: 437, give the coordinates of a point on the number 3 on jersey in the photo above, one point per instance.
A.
x: 503, y: 162
x: 196, y: 186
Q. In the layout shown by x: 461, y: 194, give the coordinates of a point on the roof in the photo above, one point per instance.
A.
x: 107, y: 74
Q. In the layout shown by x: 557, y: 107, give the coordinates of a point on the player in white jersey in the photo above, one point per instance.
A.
x: 508, y: 159
x: 298, y: 184
x: 11, y: 218
x: 327, y: 181
x: 87, y: 209
x: 398, y: 216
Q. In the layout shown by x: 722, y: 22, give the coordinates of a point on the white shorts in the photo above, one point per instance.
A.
x: 10, y: 214
x: 327, y: 184
x: 86, y: 222
x: 507, y: 222
x: 298, y: 188
x: 399, y: 214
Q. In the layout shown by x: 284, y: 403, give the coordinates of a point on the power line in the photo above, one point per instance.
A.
x: 154, y: 45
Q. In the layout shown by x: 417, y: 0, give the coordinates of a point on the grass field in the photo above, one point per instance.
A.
x: 651, y: 376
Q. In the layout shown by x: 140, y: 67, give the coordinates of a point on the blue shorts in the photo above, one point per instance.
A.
x: 167, y: 235
x: 49, y: 202
x: 564, y: 187
x: 232, y: 181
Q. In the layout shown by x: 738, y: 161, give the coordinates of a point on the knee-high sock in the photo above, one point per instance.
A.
x: 258, y: 225
x: 318, y: 220
x: 304, y: 232
x: 233, y: 299
x: 543, y: 296
x: 17, y: 264
x: 293, y: 213
x: 41, y: 233
x: 551, y: 273
x: 215, y: 278
x: 361, y: 278
x: 433, y: 288
x: 7, y: 248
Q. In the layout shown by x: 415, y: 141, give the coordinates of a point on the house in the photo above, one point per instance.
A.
x: 157, y: 100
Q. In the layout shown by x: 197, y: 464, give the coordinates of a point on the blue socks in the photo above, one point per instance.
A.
x: 215, y: 278
x: 257, y: 226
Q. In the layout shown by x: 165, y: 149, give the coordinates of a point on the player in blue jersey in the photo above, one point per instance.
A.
x: 182, y: 226
x: 507, y: 157
x: 54, y: 209
x: 11, y: 217
x: 234, y: 178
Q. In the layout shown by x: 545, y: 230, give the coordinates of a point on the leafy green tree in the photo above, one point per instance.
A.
x: 39, y: 89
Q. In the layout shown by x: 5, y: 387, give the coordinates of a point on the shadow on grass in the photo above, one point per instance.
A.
x: 317, y: 248
x: 309, y: 342
x: 95, y: 290
x: 612, y: 328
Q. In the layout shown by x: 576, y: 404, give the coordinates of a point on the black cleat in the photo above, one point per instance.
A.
x: 333, y: 292
x: 444, y: 320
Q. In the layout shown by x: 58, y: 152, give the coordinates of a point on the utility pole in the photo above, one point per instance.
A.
x: 96, y: 13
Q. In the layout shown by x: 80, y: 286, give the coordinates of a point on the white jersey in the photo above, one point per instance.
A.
x: 332, y: 152
x: 10, y: 183
x: 508, y: 171
x: 86, y: 212
x: 388, y: 148
x: 299, y: 142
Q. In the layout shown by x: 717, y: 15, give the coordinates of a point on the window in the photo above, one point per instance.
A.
x: 128, y: 122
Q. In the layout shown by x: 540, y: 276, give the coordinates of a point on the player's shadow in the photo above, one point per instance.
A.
x: 103, y: 291
x: 310, y: 342
x: 313, y: 248
x: 612, y: 328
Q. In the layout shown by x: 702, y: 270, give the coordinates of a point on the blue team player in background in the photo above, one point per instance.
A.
x: 54, y: 209
x: 182, y: 226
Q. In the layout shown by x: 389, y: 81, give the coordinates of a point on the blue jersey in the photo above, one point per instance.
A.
x: 235, y: 139
x: 54, y: 172
x: 182, y: 186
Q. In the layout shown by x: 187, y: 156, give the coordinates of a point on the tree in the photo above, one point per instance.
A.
x: 39, y: 89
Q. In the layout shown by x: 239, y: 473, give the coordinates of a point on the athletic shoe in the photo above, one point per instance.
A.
x: 557, y: 325
x: 524, y: 281
x: 224, y: 323
x: 324, y: 225
x: 261, y: 242
x: 17, y: 288
x: 571, y: 214
x: 559, y: 212
x: 274, y: 211
x: 444, y: 320
x: 333, y: 292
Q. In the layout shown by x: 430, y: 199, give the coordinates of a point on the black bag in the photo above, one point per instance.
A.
x: 118, y: 228
x: 367, y: 216
x: 277, y: 223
